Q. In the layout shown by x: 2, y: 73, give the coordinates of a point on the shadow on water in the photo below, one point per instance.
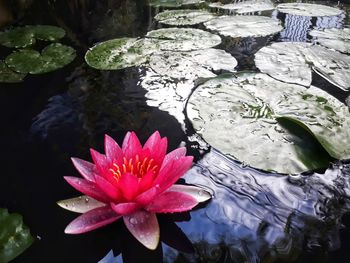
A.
x: 253, y: 217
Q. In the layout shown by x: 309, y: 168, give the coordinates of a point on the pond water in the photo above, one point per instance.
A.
x: 254, y: 216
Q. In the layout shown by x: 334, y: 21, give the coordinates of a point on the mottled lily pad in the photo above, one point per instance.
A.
x: 183, y: 17
x: 338, y: 39
x: 9, y: 76
x: 194, y: 64
x: 184, y: 39
x: 305, y: 9
x: 174, y: 3
x: 269, y: 124
x: 115, y: 54
x: 52, y: 57
x: 293, y: 62
x: 245, y: 6
x: 26, y: 36
x: 15, y: 237
x: 244, y: 26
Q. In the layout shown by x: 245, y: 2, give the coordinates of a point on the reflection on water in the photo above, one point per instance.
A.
x: 253, y: 217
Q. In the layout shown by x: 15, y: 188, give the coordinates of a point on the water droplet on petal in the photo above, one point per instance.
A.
x: 133, y: 221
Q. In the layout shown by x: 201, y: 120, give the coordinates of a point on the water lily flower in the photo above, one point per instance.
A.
x: 132, y: 182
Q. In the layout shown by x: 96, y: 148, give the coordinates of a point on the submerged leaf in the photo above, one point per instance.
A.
x: 292, y: 62
x: 15, y: 237
x: 244, y: 26
x: 338, y: 39
x: 26, y: 36
x: 9, y: 76
x: 269, y: 124
x: 183, y: 17
x: 305, y: 9
x: 52, y: 57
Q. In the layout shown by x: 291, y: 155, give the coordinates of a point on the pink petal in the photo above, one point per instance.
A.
x: 144, y: 227
x: 196, y: 192
x: 173, y: 171
x: 170, y: 202
x: 80, y: 204
x: 86, y: 169
x: 129, y: 185
x: 88, y: 188
x: 108, y: 188
x: 125, y: 208
x: 131, y: 145
x: 173, y: 155
x: 152, y: 141
x: 147, y: 196
x: 99, y: 159
x: 146, y: 181
x: 112, y: 149
x: 91, y: 220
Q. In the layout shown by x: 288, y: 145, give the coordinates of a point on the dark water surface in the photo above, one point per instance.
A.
x: 253, y: 217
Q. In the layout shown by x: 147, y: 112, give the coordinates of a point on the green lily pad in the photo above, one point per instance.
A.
x: 174, y: 3
x: 116, y: 54
x: 294, y: 62
x: 245, y: 6
x: 26, y: 36
x: 305, y: 9
x: 183, y: 17
x: 338, y: 39
x: 52, y: 57
x: 9, y: 76
x: 15, y: 237
x: 269, y: 124
x: 244, y: 26
x: 193, y: 64
x: 184, y: 39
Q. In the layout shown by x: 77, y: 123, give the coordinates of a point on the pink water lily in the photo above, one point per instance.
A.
x: 132, y: 182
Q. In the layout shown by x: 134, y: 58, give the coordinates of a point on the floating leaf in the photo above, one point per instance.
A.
x: 292, y: 62
x: 52, y: 57
x: 192, y: 65
x: 269, y: 124
x: 304, y: 9
x: 116, y: 54
x: 15, y: 237
x: 80, y: 204
x: 9, y: 76
x: 338, y: 39
x: 174, y: 3
x: 184, y: 17
x: 245, y: 6
x: 244, y: 26
x: 184, y: 39
x: 26, y: 36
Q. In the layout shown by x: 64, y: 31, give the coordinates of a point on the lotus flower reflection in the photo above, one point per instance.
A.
x: 132, y: 182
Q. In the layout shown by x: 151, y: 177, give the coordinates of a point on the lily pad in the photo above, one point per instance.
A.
x: 184, y: 39
x: 305, y: 9
x: 245, y: 6
x: 267, y: 124
x: 338, y: 39
x: 15, y: 237
x: 174, y: 3
x: 293, y: 62
x: 192, y: 65
x: 9, y: 76
x: 26, y: 36
x: 244, y: 26
x: 115, y: 54
x: 183, y: 17
x: 52, y: 57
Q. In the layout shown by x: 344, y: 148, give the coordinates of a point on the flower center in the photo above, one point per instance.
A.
x: 135, y: 166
